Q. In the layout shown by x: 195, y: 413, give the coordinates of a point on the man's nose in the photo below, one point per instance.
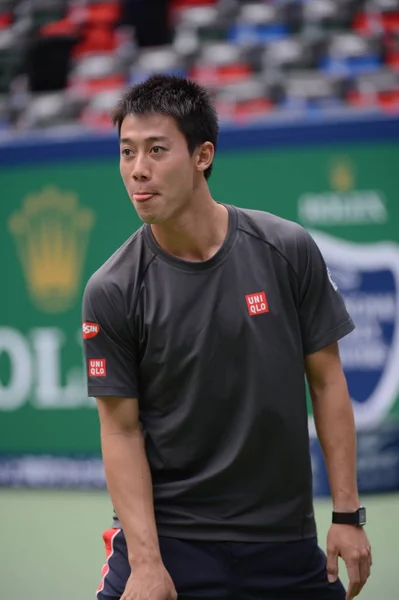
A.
x: 141, y: 169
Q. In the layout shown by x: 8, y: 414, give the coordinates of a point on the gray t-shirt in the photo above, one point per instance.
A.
x: 214, y: 351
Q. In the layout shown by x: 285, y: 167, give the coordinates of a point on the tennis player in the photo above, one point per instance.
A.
x: 199, y: 332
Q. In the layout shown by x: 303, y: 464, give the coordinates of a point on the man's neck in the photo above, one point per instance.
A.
x: 197, y: 233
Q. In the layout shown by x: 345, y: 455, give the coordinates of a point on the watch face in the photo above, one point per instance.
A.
x: 362, y: 515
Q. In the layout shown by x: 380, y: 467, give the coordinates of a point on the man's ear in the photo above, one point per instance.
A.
x: 204, y: 156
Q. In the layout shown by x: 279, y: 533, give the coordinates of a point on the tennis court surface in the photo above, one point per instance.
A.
x: 51, y: 545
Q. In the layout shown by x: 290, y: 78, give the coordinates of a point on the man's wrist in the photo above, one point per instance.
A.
x: 144, y: 555
x: 356, y: 517
x: 138, y: 562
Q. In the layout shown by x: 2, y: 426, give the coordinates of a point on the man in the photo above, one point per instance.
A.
x: 201, y: 327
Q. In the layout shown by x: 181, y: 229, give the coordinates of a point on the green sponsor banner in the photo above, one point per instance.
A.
x: 347, y: 197
x: 61, y: 222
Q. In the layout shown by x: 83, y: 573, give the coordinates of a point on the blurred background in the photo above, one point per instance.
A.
x: 308, y: 97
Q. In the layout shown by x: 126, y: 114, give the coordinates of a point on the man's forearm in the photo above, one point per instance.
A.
x: 130, y: 488
x: 335, y: 427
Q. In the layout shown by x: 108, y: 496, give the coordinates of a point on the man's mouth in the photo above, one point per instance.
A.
x: 142, y: 197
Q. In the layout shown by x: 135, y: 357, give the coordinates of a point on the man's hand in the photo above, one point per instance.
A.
x: 351, y: 544
x: 149, y: 582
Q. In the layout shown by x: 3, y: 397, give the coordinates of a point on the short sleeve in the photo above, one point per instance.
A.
x: 108, y: 342
x: 322, y: 313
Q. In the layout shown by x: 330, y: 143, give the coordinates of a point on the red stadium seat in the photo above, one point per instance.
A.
x: 59, y: 28
x: 102, y: 13
x: 366, y: 23
x: 177, y: 5
x: 90, y: 87
x: 389, y: 101
x: 95, y: 39
x: 5, y: 20
x: 105, y: 13
x: 221, y: 75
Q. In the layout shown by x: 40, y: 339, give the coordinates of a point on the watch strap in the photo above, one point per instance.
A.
x: 358, y: 517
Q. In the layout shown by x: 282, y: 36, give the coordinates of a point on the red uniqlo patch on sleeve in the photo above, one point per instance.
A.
x: 97, y: 367
x: 257, y: 303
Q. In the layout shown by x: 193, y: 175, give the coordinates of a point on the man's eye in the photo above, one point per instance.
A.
x: 126, y: 152
x: 157, y: 149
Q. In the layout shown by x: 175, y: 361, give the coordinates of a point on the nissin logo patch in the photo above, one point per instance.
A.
x: 90, y: 330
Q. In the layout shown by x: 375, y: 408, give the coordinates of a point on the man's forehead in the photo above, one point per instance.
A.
x: 141, y: 127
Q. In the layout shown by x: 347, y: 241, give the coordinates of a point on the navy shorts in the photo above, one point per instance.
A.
x: 229, y: 570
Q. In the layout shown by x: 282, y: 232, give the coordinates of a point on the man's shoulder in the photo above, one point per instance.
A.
x: 282, y: 234
x: 123, y: 269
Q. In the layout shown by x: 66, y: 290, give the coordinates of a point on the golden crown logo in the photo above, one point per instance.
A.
x: 51, y: 233
x: 341, y: 176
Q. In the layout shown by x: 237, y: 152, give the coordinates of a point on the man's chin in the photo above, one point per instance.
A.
x: 151, y: 219
x: 145, y: 215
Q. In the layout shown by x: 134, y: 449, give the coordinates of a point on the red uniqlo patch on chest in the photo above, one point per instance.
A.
x: 97, y: 367
x: 257, y: 303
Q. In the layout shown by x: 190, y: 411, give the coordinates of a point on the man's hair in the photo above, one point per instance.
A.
x: 187, y: 102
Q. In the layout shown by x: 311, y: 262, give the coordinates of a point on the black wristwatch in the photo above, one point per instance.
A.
x: 357, y: 518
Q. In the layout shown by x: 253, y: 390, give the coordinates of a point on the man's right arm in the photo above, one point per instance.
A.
x: 110, y: 349
x: 130, y: 488
x: 128, y: 476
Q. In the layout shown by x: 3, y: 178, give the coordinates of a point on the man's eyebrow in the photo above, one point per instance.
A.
x: 151, y: 138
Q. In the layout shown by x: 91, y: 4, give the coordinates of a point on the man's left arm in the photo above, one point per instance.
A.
x: 334, y: 421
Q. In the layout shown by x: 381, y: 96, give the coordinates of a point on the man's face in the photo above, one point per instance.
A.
x: 156, y: 167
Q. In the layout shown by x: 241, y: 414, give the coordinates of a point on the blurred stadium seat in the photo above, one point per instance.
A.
x: 66, y: 61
